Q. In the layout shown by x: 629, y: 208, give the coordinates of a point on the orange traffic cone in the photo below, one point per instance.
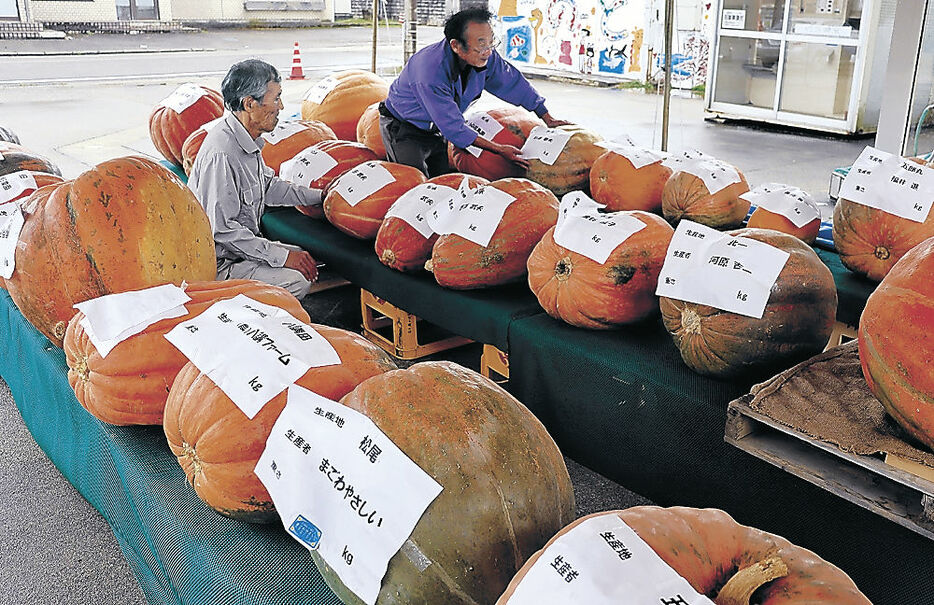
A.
x: 297, y: 71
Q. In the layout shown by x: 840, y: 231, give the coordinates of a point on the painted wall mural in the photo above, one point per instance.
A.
x: 617, y: 38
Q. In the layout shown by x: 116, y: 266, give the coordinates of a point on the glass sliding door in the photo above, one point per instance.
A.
x: 137, y: 10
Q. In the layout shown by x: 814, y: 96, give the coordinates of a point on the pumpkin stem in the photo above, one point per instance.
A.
x: 81, y: 369
x: 881, y: 252
x: 429, y: 265
x: 388, y: 257
x: 58, y: 330
x: 188, y: 451
x: 690, y: 321
x: 738, y: 590
x: 563, y: 268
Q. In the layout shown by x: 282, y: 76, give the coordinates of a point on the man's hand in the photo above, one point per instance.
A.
x: 551, y: 122
x: 302, y: 262
x: 514, y: 155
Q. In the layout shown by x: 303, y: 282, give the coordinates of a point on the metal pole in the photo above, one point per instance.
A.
x: 375, y: 23
x: 666, y: 99
x: 408, y: 46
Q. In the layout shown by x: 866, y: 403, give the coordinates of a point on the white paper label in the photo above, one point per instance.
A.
x: 413, y: 205
x: 321, y: 89
x: 111, y: 319
x: 583, y: 229
x: 715, y: 174
x: 485, y: 126
x: 707, y: 267
x: 282, y: 131
x: 602, y: 561
x: 637, y: 156
x: 676, y: 161
x: 184, y: 97
x: 14, y: 185
x: 343, y: 488
x: 733, y: 18
x: 794, y: 204
x: 251, y: 350
x: 890, y: 183
x: 474, y: 214
x: 11, y: 223
x: 545, y: 144
x: 364, y: 180
x: 308, y: 166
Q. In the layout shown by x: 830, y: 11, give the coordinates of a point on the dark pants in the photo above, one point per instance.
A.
x: 410, y: 145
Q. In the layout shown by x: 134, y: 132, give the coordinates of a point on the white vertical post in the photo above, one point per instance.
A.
x: 666, y: 99
x: 895, y: 114
x: 410, y: 35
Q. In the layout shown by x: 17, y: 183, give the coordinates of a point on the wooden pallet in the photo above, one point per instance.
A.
x: 842, y: 333
x: 900, y: 496
x: 379, y: 314
x: 494, y: 360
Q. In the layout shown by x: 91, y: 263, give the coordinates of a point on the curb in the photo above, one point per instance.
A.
x: 116, y: 51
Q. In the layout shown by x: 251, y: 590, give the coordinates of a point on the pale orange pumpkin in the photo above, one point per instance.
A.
x: 571, y: 170
x: 368, y: 131
x: 686, y: 196
x: 343, y: 106
x: 615, y: 182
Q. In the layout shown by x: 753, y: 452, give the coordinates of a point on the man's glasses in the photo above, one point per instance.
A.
x: 482, y: 48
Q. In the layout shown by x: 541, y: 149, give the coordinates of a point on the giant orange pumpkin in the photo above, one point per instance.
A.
x: 517, y: 124
x: 870, y: 241
x: 126, y: 224
x: 795, y: 325
x: 218, y: 446
x: 348, y: 155
x: 14, y: 158
x: 896, y: 342
x: 311, y: 133
x: 686, y: 196
x: 131, y: 384
x: 726, y: 561
x: 461, y: 264
x: 506, y: 486
x: 766, y: 219
x: 368, y: 131
x: 588, y: 294
x: 364, y: 219
x: 571, y: 170
x: 168, y: 128
x: 342, y: 108
x: 401, y: 246
x: 615, y: 182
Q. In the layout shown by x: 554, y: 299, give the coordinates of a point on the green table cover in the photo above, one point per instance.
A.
x: 624, y: 404
x: 852, y: 289
x: 181, y: 551
x: 481, y: 315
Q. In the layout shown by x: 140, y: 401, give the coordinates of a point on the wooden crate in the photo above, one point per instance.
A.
x: 494, y: 360
x: 900, y: 496
x: 379, y: 314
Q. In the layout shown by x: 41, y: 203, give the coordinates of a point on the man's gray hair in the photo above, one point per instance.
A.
x: 248, y: 78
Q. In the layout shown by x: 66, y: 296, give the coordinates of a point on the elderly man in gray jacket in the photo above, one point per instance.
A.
x: 234, y: 185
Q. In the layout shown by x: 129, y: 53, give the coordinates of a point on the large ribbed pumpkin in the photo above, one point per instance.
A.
x: 896, y: 342
x: 218, y: 446
x: 720, y: 559
x: 795, y: 325
x: 364, y: 219
x: 368, y: 131
x: 506, y: 487
x: 131, y: 384
x: 399, y: 245
x: 168, y: 128
x: 342, y: 107
x: 461, y: 264
x: 571, y: 171
x: 126, y: 224
x: 14, y: 158
x: 686, y: 196
x: 348, y: 155
x: 311, y: 133
x: 619, y: 185
x: 517, y: 124
x: 587, y: 294
x: 870, y: 241
x: 766, y: 219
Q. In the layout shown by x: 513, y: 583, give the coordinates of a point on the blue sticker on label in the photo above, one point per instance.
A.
x: 306, y: 531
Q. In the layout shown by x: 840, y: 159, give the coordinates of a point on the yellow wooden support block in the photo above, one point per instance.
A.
x: 379, y: 314
x: 842, y: 333
x: 494, y: 360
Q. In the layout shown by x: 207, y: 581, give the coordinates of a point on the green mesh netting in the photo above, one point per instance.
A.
x: 181, y: 551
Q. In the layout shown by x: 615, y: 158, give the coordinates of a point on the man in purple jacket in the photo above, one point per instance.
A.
x: 427, y: 101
